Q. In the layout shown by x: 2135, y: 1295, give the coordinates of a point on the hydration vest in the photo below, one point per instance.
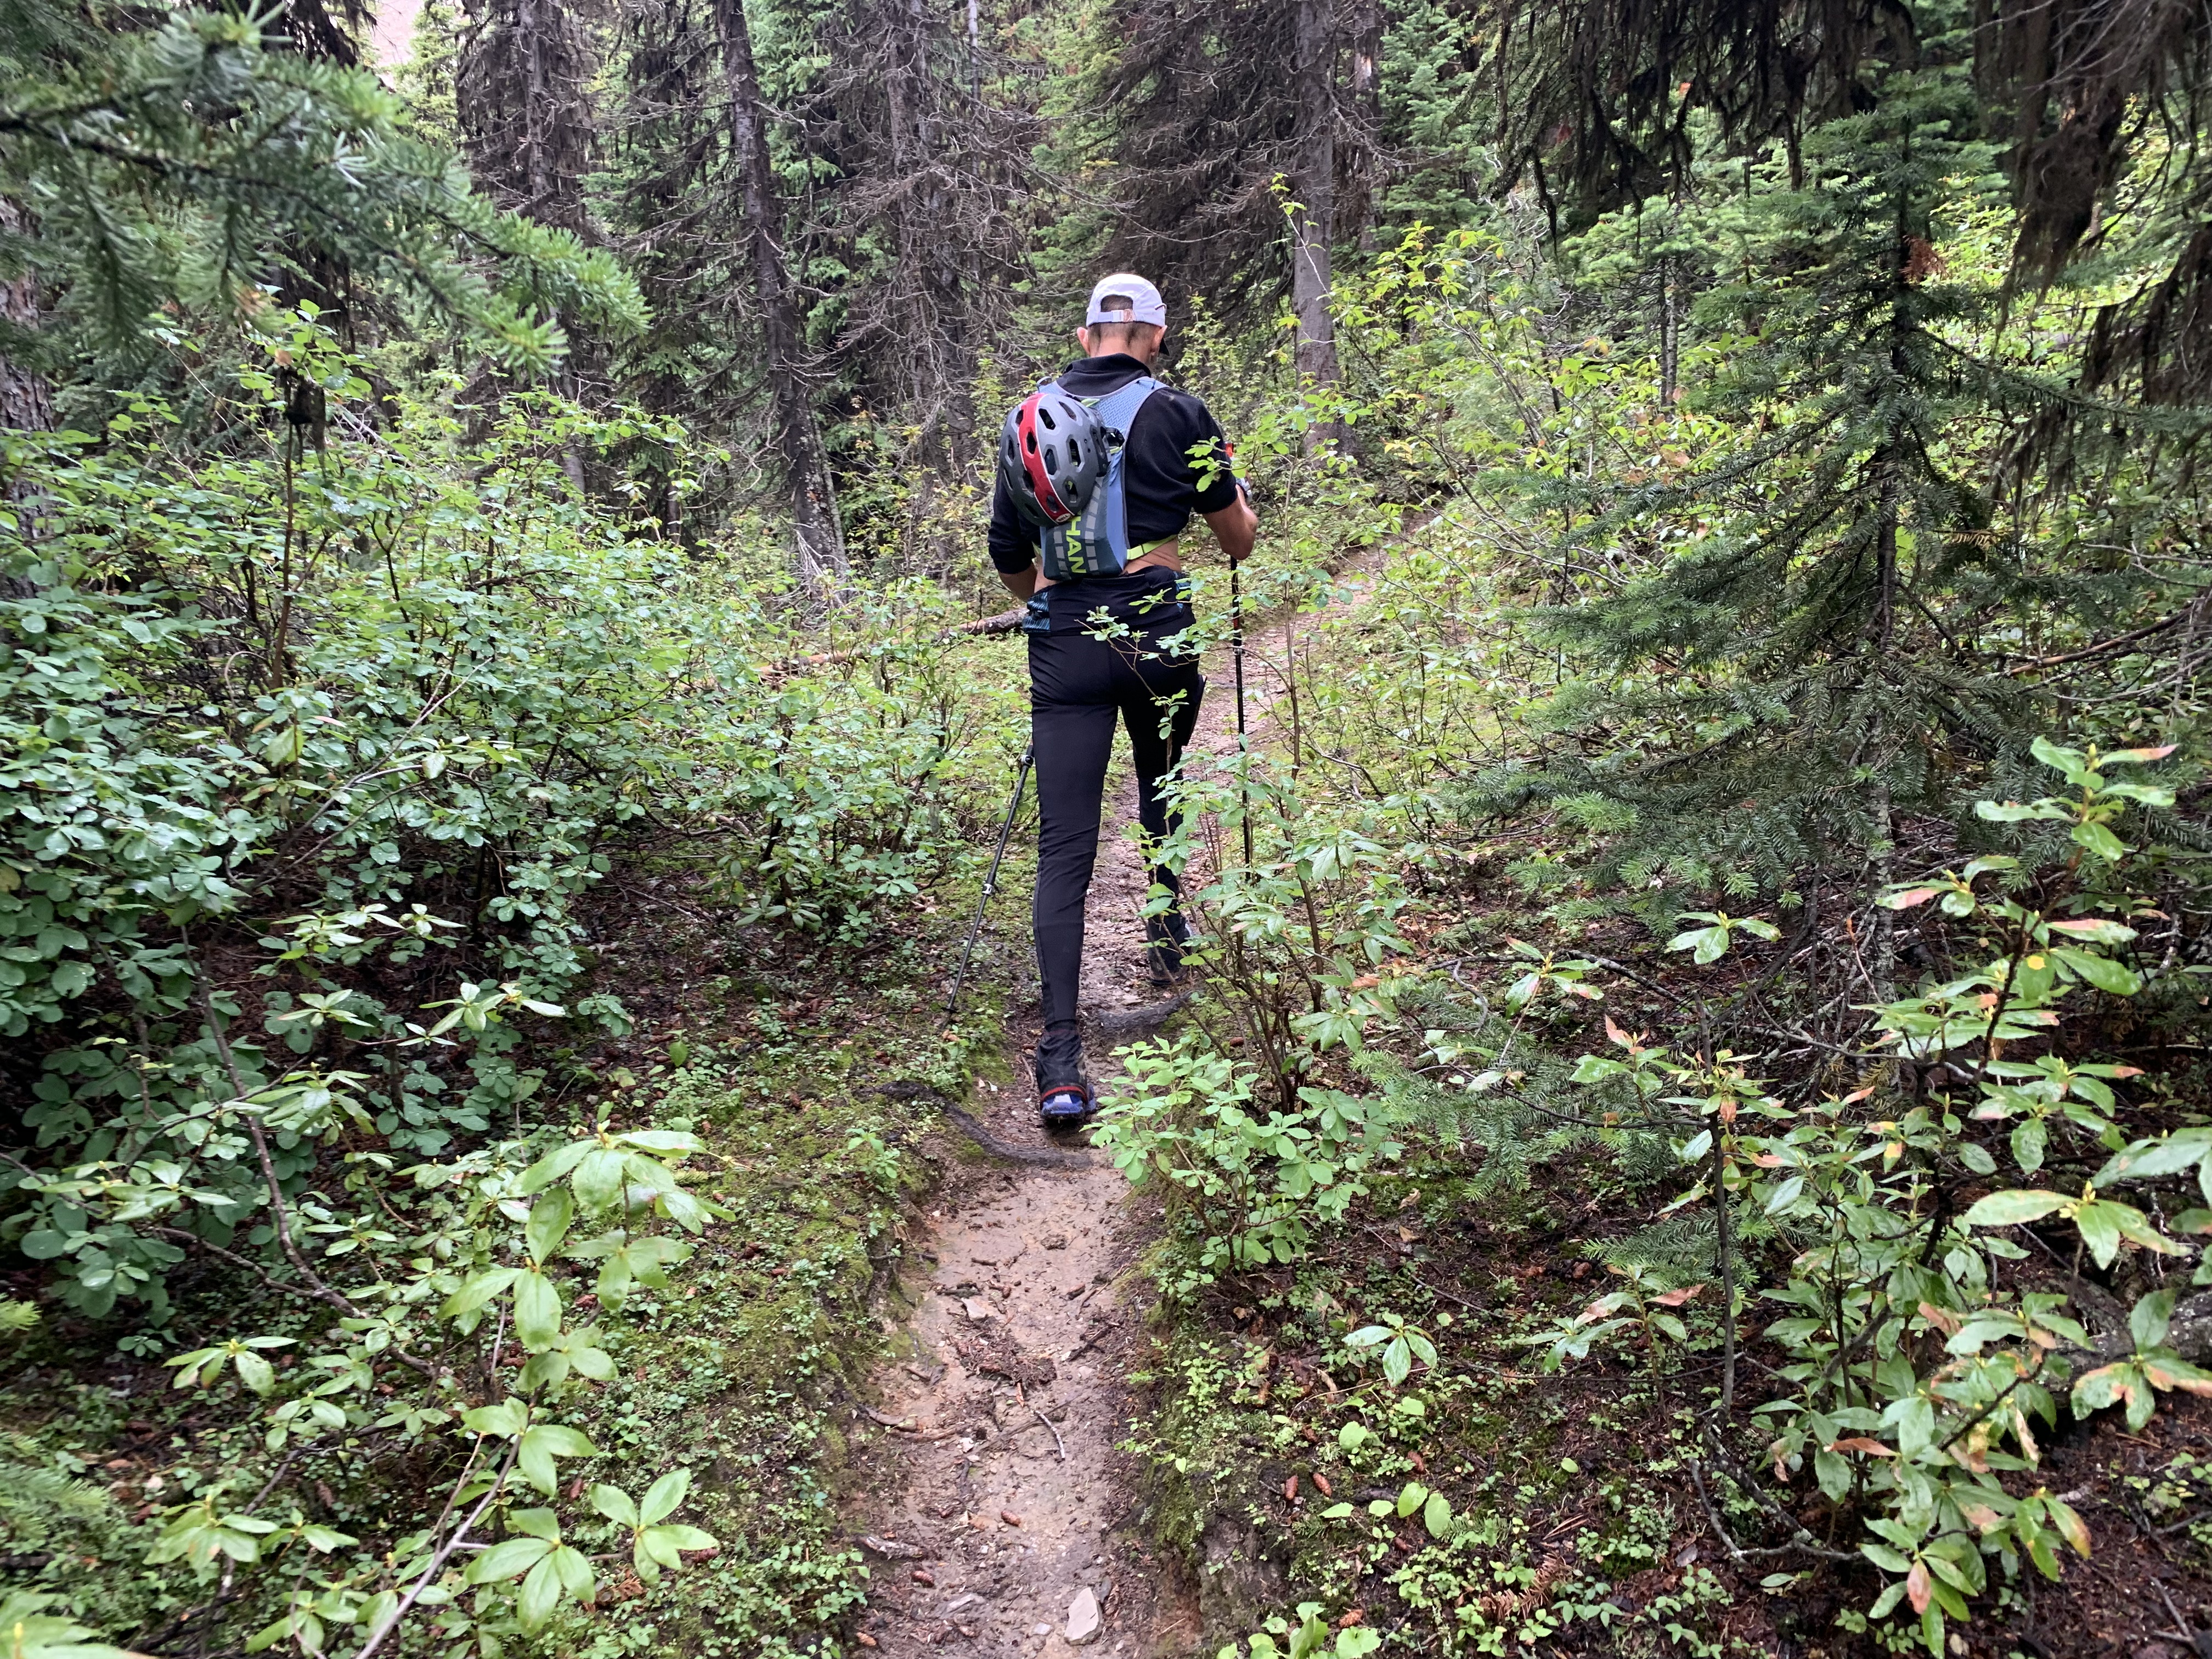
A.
x: 1095, y: 542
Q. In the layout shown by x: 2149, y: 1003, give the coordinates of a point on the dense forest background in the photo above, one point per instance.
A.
x: 1702, y: 1027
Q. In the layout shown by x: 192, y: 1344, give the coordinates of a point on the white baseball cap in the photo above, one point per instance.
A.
x: 1145, y: 305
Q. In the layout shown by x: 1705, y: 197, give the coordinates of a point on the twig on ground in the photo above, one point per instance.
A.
x: 1056, y: 1440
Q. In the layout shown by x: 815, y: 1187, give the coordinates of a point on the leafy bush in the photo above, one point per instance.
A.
x: 316, y: 762
x: 1922, y: 1344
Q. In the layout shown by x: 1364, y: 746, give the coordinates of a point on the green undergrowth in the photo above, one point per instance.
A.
x: 741, y: 1371
x: 1482, y: 1507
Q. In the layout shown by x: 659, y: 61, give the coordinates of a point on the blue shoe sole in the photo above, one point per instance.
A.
x: 1055, y: 1115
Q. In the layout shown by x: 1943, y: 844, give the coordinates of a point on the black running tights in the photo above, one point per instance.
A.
x: 1079, y: 685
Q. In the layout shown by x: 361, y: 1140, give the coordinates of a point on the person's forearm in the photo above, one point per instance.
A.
x: 1020, y: 583
x: 1236, y: 528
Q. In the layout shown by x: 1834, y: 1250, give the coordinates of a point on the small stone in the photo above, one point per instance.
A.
x: 1083, y: 1618
x: 1042, y: 1630
x: 1055, y: 1241
x: 976, y: 1309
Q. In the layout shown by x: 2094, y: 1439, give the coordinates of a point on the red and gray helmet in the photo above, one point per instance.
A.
x: 1052, y: 456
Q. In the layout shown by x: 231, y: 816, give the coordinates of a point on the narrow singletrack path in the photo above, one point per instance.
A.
x: 990, y: 1497
x: 994, y: 1499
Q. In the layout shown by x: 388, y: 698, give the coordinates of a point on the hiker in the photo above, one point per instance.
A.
x: 1096, y: 481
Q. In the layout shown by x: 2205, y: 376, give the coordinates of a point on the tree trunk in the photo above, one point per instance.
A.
x: 26, y: 402
x: 1313, y: 225
x: 819, y: 541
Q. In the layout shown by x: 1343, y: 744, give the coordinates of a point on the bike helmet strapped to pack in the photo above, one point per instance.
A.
x: 1060, y: 459
x: 1052, y: 456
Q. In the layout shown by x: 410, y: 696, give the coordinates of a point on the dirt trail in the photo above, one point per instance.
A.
x: 993, y: 1495
x: 1003, y: 1483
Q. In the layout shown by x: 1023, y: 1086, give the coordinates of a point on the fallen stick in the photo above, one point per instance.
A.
x: 1056, y: 1440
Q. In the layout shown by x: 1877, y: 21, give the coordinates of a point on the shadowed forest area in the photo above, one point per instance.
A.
x: 1689, y: 1134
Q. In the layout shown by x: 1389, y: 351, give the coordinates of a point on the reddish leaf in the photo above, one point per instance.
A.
x: 1942, y: 1318
x: 1916, y: 1587
x: 1859, y: 1443
x: 1676, y: 1298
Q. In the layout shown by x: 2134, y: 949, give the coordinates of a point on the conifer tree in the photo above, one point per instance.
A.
x: 1768, y: 696
x: 1212, y: 105
x: 192, y: 165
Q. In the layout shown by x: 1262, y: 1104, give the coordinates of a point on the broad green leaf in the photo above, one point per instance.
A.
x: 599, y: 1177
x: 541, y: 1594
x: 2099, y: 1223
x: 2115, y: 978
x: 2093, y: 930
x: 548, y: 1224
x: 574, y: 1569
x: 2148, y: 1320
x: 506, y: 1418
x: 2166, y: 1155
x: 661, y: 1140
x: 1397, y: 1361
x: 541, y: 1445
x: 2010, y: 1208
x: 2097, y: 839
x: 614, y: 1502
x: 551, y: 1167
x: 663, y: 1497
x: 507, y: 1559
x: 538, y: 1523
x: 478, y: 1290
x: 537, y: 1311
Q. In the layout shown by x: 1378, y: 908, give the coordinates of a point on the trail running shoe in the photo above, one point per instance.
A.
x: 1064, y: 1106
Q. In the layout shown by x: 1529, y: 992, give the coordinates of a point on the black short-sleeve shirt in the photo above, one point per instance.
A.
x: 1159, y: 484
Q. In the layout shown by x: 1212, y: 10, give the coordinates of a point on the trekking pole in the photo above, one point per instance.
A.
x: 1236, y: 651
x: 991, y: 881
